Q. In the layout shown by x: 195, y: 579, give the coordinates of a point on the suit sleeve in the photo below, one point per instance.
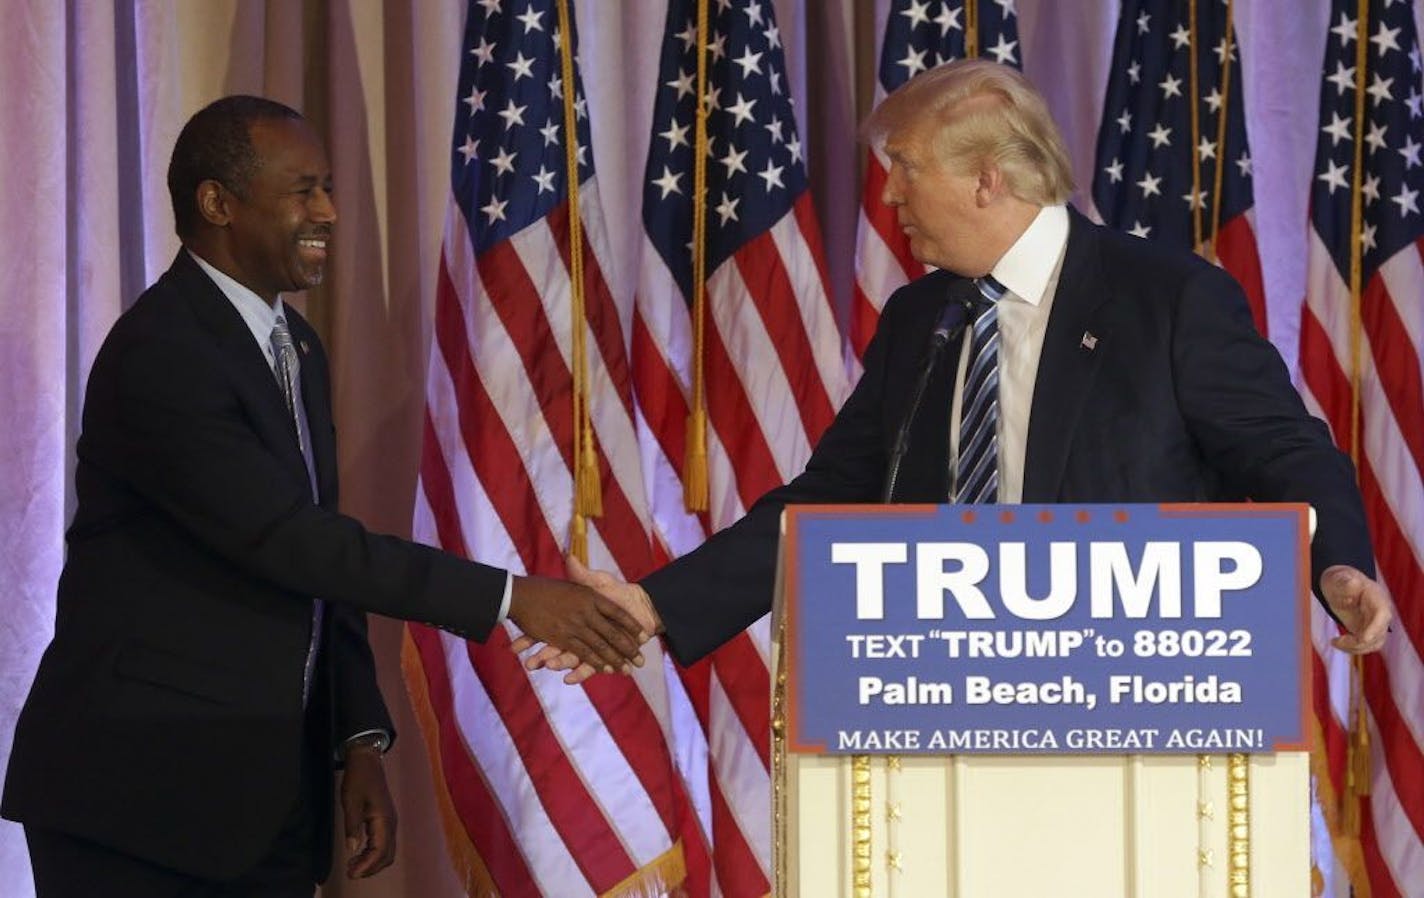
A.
x: 181, y: 438
x: 1237, y: 397
x: 719, y: 589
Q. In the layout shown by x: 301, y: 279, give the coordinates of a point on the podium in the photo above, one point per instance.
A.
x: 1104, y: 810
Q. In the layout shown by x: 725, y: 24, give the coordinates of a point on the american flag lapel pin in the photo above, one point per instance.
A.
x: 1089, y: 341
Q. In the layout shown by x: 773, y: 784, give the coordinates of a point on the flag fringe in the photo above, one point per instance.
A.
x: 1341, y: 817
x: 654, y: 879
x: 464, y: 857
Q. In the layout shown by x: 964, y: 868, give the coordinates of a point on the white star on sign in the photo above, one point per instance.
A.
x: 753, y: 12
x: 1213, y: 100
x: 476, y: 100
x: 688, y: 36
x: 1334, y: 176
x: 1171, y: 86
x: 1160, y: 136
x: 1150, y: 186
x: 545, y: 180
x: 550, y: 132
x: 1181, y: 37
x: 773, y: 36
x: 1114, y: 171
x: 1206, y: 149
x: 773, y: 128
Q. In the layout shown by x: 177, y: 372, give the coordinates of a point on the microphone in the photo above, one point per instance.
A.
x: 953, y: 318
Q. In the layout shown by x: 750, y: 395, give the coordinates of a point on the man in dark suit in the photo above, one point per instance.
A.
x: 209, y: 666
x: 1126, y: 372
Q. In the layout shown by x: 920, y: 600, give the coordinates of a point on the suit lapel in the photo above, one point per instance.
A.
x: 1068, y: 363
x: 251, y: 374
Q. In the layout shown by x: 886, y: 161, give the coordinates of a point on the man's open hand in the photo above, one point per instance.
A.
x: 1362, y: 606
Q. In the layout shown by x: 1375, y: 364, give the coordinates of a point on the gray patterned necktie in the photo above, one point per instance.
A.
x: 977, y: 473
x: 289, y: 379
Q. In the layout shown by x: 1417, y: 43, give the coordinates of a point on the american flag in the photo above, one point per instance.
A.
x: 918, y: 35
x: 545, y: 789
x: 770, y: 360
x: 1172, y: 161
x: 1362, y: 330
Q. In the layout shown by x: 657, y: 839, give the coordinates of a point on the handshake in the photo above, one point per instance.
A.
x: 591, y: 623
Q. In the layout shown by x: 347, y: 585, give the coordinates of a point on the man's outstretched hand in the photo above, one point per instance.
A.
x: 576, y: 620
x: 629, y: 596
x: 1362, y: 606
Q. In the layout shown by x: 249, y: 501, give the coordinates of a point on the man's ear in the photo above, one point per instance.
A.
x: 990, y: 186
x: 212, y: 202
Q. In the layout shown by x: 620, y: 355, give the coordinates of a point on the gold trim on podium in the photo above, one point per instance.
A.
x: 1238, y: 840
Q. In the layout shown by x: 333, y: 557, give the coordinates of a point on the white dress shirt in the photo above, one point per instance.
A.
x: 1029, y: 272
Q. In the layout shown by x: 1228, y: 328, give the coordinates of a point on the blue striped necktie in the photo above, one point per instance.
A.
x: 289, y: 379
x: 977, y: 473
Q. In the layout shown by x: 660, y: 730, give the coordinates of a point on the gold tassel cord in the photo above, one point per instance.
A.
x: 588, y: 491
x: 971, y: 29
x: 1194, y: 107
x: 694, y: 473
x: 1357, y: 774
x: 1223, y: 116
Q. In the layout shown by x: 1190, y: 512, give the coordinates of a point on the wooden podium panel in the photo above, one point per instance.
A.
x: 1028, y: 826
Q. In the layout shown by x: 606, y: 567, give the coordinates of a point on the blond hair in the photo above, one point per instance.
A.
x: 986, y: 113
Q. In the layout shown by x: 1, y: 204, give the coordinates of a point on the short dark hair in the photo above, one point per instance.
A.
x: 216, y: 144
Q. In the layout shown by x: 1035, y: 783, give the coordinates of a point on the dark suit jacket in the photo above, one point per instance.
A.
x: 166, y: 719
x: 1178, y: 400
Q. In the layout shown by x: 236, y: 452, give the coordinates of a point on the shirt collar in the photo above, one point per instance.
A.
x: 256, y: 313
x: 1029, y: 264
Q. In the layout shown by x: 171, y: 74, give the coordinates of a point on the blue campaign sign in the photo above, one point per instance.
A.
x: 1068, y: 629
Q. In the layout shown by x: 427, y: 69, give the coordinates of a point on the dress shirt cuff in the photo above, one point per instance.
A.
x: 504, y: 602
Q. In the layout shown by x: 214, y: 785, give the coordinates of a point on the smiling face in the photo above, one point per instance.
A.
x: 274, y: 230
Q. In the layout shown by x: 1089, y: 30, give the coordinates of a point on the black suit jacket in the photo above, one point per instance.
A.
x: 1153, y: 386
x: 166, y: 719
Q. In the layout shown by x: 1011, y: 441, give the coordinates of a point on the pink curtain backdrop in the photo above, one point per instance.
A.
x: 95, y: 93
